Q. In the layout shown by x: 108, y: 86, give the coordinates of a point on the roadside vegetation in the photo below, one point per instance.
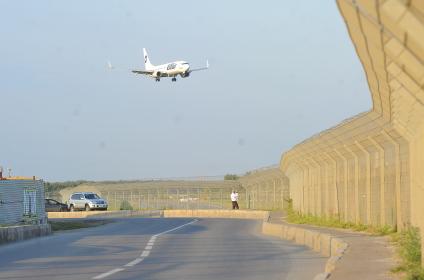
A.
x: 408, y: 245
x: 69, y: 225
x: 408, y: 242
x: 335, y: 222
x: 125, y: 205
x: 231, y: 177
x: 52, y: 187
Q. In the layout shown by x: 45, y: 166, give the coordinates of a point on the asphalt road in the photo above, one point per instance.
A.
x: 138, y: 248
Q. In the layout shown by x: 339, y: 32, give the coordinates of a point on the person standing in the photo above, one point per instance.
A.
x: 234, y: 199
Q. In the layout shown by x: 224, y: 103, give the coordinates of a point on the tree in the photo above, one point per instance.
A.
x: 231, y: 177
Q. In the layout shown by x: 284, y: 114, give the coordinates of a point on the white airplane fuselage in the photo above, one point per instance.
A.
x: 170, y: 69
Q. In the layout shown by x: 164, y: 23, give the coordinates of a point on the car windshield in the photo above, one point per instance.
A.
x: 92, y: 196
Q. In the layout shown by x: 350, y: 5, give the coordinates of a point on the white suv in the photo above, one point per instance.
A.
x: 86, y: 201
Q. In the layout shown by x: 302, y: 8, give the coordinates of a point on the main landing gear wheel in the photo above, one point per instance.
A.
x: 157, y: 79
x: 174, y: 79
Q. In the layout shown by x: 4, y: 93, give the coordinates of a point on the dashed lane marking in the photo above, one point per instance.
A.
x: 134, y: 262
x: 144, y: 254
x: 106, y: 274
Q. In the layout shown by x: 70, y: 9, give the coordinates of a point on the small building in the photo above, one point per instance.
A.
x: 21, y: 201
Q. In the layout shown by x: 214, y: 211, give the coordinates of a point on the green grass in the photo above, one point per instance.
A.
x: 408, y: 244
x: 334, y: 222
x: 69, y: 225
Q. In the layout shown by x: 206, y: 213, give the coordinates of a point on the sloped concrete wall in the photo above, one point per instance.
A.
x: 370, y: 168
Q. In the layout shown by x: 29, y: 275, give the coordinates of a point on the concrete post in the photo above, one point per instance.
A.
x: 306, y: 187
x: 382, y: 181
x: 326, y: 205
x: 335, y: 185
x: 399, y: 222
x: 356, y: 206
x: 302, y: 190
x: 345, y: 169
x: 318, y: 194
x: 367, y: 180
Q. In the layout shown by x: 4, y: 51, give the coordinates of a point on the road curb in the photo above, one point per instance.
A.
x: 22, y: 232
x: 323, y: 243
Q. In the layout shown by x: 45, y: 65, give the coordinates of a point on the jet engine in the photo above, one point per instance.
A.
x: 185, y: 74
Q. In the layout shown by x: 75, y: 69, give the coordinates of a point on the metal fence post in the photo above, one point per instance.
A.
x: 209, y: 192
x: 222, y: 202
x: 115, y: 201
x: 198, y: 198
x: 187, y: 199
x: 178, y: 198
x: 167, y: 197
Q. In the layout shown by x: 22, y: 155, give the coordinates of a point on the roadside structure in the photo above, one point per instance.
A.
x: 370, y: 168
x: 21, y: 201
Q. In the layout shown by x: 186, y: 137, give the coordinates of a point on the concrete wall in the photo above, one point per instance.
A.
x: 104, y: 214
x: 18, y: 233
x: 370, y: 168
x: 12, y: 201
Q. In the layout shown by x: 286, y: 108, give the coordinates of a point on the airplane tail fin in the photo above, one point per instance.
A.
x: 147, y: 64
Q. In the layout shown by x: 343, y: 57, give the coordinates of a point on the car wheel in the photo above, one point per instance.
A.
x: 87, y: 208
x: 71, y: 208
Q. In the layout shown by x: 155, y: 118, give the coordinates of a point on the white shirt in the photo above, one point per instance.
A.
x: 234, y: 196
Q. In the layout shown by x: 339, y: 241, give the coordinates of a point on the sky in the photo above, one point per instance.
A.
x: 280, y: 71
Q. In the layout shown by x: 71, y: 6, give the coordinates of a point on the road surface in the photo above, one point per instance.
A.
x: 141, y: 248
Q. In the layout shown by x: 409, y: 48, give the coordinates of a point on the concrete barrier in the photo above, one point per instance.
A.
x: 105, y: 214
x: 322, y: 243
x: 234, y: 214
x: 22, y: 232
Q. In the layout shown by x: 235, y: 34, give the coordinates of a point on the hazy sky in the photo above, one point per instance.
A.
x: 280, y: 72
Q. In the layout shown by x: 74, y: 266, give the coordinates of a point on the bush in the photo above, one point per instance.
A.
x: 231, y: 177
x: 125, y: 205
x: 409, y: 249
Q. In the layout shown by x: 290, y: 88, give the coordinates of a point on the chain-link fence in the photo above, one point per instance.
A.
x: 190, y: 198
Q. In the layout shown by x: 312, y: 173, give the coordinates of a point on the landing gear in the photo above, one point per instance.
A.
x: 174, y: 79
x: 157, y: 79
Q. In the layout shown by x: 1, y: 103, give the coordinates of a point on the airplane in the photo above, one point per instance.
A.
x: 172, y: 69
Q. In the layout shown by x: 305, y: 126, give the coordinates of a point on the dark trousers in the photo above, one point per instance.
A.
x: 235, y: 205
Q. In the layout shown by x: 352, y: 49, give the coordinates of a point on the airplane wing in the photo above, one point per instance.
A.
x: 143, y: 72
x: 202, y: 68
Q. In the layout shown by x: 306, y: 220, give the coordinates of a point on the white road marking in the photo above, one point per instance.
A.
x: 145, y: 253
x: 173, y: 229
x: 134, y: 262
x: 106, y: 274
